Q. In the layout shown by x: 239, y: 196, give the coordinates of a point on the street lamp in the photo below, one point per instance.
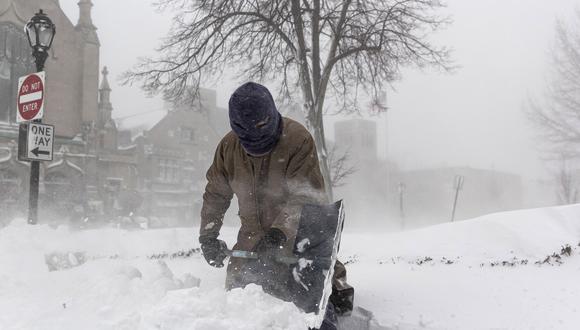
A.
x: 40, y: 32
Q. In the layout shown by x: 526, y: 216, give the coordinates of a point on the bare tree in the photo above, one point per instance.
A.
x: 319, y: 47
x: 559, y: 117
x: 340, y: 166
x: 567, y: 183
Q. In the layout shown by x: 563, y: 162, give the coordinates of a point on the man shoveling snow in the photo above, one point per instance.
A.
x: 270, y: 163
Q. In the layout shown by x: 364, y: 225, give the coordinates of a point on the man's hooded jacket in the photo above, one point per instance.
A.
x: 272, y: 171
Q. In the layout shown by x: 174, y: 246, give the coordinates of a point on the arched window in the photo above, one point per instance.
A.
x: 15, y: 61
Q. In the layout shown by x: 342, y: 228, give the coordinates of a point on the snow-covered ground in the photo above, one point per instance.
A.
x: 487, y: 273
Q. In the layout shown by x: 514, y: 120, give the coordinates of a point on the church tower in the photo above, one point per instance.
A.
x: 105, y: 105
x: 89, y: 61
x: 107, y: 129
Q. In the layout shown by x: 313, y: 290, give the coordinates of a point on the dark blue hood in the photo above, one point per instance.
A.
x: 254, y: 118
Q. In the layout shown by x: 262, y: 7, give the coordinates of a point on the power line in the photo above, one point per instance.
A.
x: 138, y: 114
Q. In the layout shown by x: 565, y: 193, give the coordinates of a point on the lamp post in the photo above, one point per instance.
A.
x: 40, y: 32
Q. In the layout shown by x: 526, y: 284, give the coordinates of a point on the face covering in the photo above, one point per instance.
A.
x: 255, y: 119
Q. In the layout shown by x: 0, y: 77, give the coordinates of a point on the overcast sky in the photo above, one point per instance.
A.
x: 471, y: 118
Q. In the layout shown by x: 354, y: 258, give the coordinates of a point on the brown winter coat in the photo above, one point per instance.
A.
x: 271, y: 189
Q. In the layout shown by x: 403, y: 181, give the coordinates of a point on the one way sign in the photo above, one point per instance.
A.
x: 39, y: 142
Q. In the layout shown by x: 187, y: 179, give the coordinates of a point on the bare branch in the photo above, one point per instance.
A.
x: 340, y: 166
x: 567, y: 190
x: 326, y: 49
x: 558, y: 119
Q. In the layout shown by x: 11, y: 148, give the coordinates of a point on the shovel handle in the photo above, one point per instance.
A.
x: 242, y: 254
x: 254, y: 255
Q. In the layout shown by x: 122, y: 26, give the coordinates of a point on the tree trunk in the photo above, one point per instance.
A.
x: 323, y: 157
x: 310, y: 90
x: 316, y: 127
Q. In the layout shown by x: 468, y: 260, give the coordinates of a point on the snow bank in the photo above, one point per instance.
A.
x: 441, y: 277
x: 485, y: 273
x: 527, y: 233
x: 18, y: 235
x: 247, y: 309
x: 121, y: 287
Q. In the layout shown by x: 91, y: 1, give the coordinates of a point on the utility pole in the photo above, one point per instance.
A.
x: 402, y: 189
x: 458, y: 186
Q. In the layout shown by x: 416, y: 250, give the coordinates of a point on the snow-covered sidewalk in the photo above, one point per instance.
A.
x: 487, y: 273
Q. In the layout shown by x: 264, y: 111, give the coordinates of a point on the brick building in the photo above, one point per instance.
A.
x: 173, y: 157
x: 99, y: 172
x: 88, y: 169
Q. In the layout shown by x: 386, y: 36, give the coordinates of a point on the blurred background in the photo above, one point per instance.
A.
x: 449, y: 146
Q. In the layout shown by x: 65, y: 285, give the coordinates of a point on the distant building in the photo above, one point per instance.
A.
x: 99, y: 172
x: 365, y: 191
x: 89, y: 171
x: 173, y: 157
x: 76, y: 48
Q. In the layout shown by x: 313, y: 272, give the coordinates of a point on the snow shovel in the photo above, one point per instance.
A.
x: 255, y: 255
x: 314, y: 255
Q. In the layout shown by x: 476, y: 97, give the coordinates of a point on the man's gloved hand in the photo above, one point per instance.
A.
x: 271, y: 244
x: 271, y: 271
x: 214, y: 251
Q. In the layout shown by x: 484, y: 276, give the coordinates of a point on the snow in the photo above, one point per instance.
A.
x: 190, y: 310
x: 483, y: 273
x: 301, y: 246
x: 302, y: 264
x: 459, y: 288
x: 122, y: 285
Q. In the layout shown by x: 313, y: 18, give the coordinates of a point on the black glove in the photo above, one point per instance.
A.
x: 271, y: 244
x: 271, y: 272
x: 214, y: 251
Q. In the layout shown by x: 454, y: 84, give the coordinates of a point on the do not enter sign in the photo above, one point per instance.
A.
x: 30, y: 97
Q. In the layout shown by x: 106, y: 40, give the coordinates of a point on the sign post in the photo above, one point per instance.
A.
x: 459, y: 179
x: 35, y: 140
x: 30, y: 97
x: 40, y: 32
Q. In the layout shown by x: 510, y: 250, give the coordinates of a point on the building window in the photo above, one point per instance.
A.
x: 114, y: 184
x: 187, y: 134
x: 168, y: 170
x: 15, y: 61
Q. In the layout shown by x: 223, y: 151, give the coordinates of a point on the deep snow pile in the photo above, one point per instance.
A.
x: 486, y: 273
x: 491, y: 272
x: 128, y: 281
